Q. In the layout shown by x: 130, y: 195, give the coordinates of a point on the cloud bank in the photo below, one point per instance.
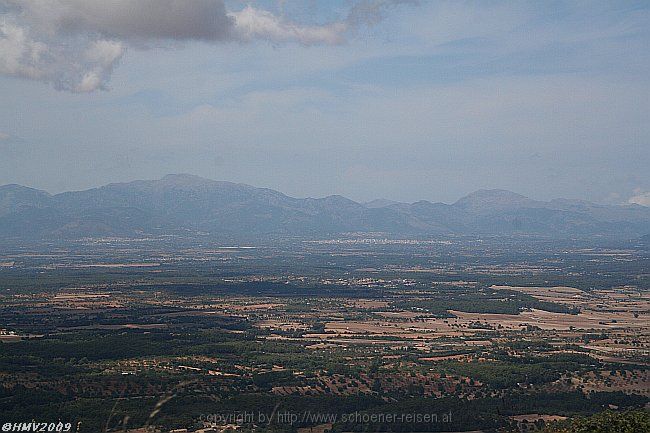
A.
x: 76, y: 44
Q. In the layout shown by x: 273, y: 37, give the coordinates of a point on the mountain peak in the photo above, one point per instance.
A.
x: 14, y: 187
x: 14, y: 197
x: 379, y: 203
x: 485, y: 200
x: 184, y: 179
x: 495, y: 193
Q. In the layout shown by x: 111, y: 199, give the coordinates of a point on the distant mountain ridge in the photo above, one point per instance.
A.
x: 193, y: 205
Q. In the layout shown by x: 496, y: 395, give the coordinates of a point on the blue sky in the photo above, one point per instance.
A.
x: 427, y: 100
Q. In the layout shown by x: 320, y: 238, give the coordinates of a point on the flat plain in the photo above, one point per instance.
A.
x: 501, y: 333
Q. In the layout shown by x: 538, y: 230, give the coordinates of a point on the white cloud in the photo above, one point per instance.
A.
x: 69, y: 63
x: 642, y: 198
x: 75, y: 44
x: 19, y: 55
x: 251, y: 23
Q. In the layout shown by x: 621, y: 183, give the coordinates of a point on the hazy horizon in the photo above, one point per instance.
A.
x: 379, y: 198
x: 378, y: 99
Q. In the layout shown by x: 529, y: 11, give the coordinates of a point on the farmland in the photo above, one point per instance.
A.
x: 497, y: 333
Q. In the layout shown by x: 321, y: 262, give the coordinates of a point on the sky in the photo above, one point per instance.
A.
x: 402, y: 100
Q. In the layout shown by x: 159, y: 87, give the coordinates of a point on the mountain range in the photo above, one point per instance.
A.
x: 193, y: 205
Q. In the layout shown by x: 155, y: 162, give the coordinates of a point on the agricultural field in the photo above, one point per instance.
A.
x: 323, y: 336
